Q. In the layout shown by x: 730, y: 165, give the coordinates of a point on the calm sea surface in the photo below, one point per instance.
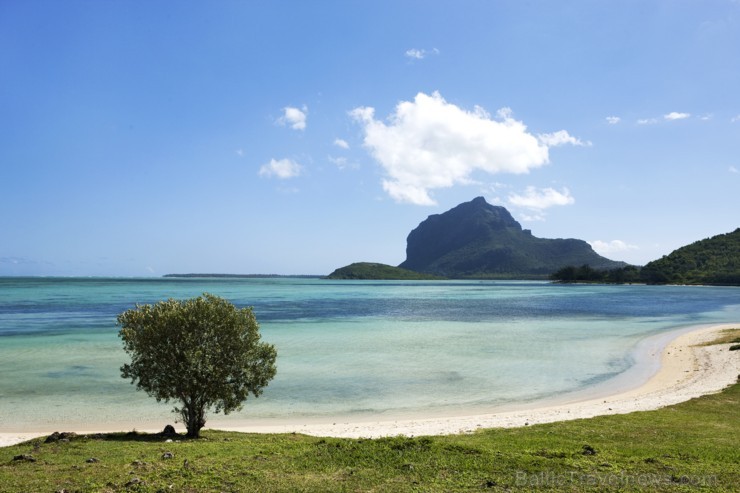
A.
x: 348, y: 348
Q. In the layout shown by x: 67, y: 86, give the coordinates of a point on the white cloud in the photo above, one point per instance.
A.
x: 294, y: 117
x: 676, y: 116
x: 282, y: 169
x: 339, y: 162
x: 735, y: 119
x: 539, y: 199
x: 561, y: 137
x: 614, y: 246
x: 414, y: 53
x: 733, y: 169
x: 417, y: 54
x: 613, y: 120
x: 429, y: 143
x: 341, y: 143
x: 647, y: 121
x: 343, y: 163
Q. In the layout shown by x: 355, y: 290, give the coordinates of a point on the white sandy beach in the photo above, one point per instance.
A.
x: 685, y: 369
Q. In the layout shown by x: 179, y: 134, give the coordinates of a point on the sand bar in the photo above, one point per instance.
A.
x: 681, y: 369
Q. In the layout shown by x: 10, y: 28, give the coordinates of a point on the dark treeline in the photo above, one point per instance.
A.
x: 586, y: 273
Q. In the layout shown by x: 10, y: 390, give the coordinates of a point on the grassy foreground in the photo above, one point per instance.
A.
x: 691, y: 446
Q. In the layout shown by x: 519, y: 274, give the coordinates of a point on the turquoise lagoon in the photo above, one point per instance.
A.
x: 346, y: 349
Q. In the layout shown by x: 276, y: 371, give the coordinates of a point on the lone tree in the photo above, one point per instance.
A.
x: 203, y: 352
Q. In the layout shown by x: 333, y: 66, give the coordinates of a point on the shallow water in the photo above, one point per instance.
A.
x: 349, y: 348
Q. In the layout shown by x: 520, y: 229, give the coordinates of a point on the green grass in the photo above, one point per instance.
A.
x: 692, y: 446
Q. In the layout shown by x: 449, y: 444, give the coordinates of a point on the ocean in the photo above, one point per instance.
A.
x: 346, y: 349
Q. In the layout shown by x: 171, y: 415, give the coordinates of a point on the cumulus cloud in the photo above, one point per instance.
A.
x: 429, y: 143
x: 647, y: 121
x: 538, y: 199
x: 613, y: 120
x: 674, y: 115
x: 559, y: 138
x: 282, y: 169
x: 295, y: 118
x: 608, y: 247
x: 341, y: 143
x: 417, y: 54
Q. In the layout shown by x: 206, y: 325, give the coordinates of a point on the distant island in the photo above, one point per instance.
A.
x: 477, y: 240
x: 244, y: 276
x: 369, y: 270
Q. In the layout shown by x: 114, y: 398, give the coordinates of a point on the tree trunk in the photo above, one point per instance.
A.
x: 193, y: 415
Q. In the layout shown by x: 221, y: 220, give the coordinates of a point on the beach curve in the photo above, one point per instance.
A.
x: 685, y: 369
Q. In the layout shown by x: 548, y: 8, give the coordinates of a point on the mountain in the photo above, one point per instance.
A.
x: 479, y: 240
x: 714, y: 260
x: 367, y: 270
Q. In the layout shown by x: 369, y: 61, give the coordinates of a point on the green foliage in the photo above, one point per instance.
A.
x: 585, y: 273
x: 368, y: 270
x: 687, y: 447
x: 713, y: 261
x: 202, y: 353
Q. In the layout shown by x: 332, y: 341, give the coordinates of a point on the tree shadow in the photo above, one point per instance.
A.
x: 168, y: 434
x: 137, y: 436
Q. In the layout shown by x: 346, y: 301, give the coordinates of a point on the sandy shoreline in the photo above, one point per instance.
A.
x: 686, y: 370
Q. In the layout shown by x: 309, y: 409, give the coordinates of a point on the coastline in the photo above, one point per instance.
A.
x: 681, y: 369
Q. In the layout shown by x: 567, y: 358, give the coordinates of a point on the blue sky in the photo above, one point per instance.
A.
x: 292, y: 137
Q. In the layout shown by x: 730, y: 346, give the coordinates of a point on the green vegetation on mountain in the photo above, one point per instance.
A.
x: 368, y: 270
x: 479, y: 240
x: 712, y: 261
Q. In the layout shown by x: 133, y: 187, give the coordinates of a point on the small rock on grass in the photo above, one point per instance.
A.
x: 588, y: 450
x: 25, y: 457
x: 60, y: 437
x: 134, y: 482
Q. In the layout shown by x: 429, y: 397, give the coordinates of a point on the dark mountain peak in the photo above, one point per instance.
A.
x: 476, y: 215
x: 469, y: 222
x: 477, y: 239
x: 478, y: 208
